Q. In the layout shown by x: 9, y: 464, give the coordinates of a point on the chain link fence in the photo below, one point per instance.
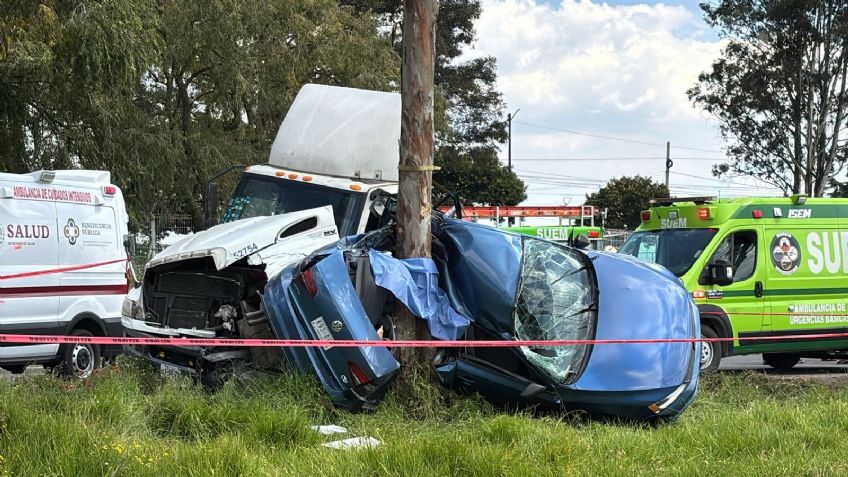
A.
x: 165, y: 229
x: 614, y: 238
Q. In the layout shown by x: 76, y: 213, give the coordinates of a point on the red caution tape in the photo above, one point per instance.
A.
x: 101, y: 340
x: 61, y: 269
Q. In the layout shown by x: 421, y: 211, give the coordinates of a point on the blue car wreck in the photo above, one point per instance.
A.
x: 496, y: 285
x: 256, y: 278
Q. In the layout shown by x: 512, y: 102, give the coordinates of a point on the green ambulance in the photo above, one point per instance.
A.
x: 756, y: 267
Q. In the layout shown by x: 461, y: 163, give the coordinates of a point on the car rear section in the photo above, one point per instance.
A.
x: 333, y: 296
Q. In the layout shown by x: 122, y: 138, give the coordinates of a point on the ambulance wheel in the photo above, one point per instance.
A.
x: 781, y: 362
x: 710, y: 352
x: 80, y: 359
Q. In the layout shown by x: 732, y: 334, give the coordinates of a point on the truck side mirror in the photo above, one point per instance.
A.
x: 129, y: 244
x: 210, y: 204
x: 720, y: 273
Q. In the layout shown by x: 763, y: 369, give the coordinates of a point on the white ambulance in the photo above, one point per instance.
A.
x: 63, y: 266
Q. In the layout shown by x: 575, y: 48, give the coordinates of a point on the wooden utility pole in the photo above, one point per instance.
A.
x: 415, y: 171
x: 668, y: 164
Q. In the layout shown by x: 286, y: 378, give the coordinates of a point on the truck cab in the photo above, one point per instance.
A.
x: 336, y: 146
x: 756, y: 267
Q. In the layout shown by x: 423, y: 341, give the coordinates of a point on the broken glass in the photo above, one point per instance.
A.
x: 556, y: 301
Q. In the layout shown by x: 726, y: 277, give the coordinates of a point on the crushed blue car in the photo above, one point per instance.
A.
x: 243, y: 280
x: 509, y: 287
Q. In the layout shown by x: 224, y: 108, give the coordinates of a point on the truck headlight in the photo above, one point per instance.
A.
x: 132, y: 308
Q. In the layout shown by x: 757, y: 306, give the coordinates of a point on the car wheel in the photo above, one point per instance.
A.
x: 15, y: 368
x: 780, y: 361
x: 80, y: 359
x: 710, y: 351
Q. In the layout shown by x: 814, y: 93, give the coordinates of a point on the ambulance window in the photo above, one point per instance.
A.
x: 740, y: 250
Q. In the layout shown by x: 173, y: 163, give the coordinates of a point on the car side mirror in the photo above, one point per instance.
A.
x: 582, y: 242
x: 720, y: 273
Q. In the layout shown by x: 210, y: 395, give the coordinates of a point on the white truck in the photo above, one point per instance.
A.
x: 63, y: 266
x: 332, y: 172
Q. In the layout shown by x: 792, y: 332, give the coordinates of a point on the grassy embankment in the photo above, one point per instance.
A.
x: 125, y: 422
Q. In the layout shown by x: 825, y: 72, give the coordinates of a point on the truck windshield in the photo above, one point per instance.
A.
x: 675, y: 249
x: 257, y: 196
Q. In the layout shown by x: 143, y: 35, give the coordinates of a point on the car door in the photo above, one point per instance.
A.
x: 806, y: 283
x: 743, y: 300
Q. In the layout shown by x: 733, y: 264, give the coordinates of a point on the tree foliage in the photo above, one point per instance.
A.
x: 470, y: 118
x: 625, y: 198
x: 166, y: 93
x: 779, y: 90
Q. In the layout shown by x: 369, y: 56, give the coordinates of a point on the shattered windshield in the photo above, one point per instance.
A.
x: 258, y: 196
x: 556, y: 301
x: 675, y: 249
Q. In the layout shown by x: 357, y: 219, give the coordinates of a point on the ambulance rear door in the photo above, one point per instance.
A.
x: 28, y: 249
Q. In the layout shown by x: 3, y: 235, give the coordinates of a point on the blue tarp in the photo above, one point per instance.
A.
x: 415, y: 282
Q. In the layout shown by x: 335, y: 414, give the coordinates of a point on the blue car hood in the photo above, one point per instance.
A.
x: 638, y: 300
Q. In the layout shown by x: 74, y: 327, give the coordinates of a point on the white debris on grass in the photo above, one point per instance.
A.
x: 326, y: 430
x: 353, y: 443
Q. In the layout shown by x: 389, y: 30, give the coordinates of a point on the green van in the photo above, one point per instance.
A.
x: 756, y: 267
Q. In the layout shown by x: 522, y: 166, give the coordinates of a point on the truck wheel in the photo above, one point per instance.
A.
x: 80, y: 359
x: 710, y: 352
x: 780, y: 361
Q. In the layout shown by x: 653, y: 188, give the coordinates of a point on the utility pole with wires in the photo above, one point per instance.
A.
x: 668, y: 164
x: 509, y: 118
x: 415, y: 171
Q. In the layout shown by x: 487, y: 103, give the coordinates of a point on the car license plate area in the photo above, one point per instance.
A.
x: 322, y: 331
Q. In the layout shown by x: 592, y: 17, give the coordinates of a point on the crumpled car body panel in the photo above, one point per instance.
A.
x: 292, y: 312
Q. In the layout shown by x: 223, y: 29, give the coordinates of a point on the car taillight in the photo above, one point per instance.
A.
x: 109, y: 190
x: 646, y: 215
x: 309, y: 282
x: 356, y: 372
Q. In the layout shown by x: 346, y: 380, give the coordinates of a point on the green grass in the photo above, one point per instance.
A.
x: 128, y: 422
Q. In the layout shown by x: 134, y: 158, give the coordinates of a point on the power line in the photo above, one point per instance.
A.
x: 589, y: 159
x: 613, y: 138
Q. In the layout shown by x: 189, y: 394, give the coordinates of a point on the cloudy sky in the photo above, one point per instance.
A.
x: 619, y: 70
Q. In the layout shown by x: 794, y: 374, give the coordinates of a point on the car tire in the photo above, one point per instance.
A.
x: 80, y: 360
x: 781, y: 361
x: 710, y: 355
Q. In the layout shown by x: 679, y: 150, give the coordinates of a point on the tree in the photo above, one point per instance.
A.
x: 779, y: 90
x: 470, y: 118
x: 165, y: 93
x: 625, y: 198
x: 478, y: 177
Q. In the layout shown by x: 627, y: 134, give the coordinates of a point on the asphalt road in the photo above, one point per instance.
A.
x: 826, y: 372
x: 806, y: 366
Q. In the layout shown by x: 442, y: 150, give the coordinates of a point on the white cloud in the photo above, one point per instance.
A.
x: 610, y: 70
